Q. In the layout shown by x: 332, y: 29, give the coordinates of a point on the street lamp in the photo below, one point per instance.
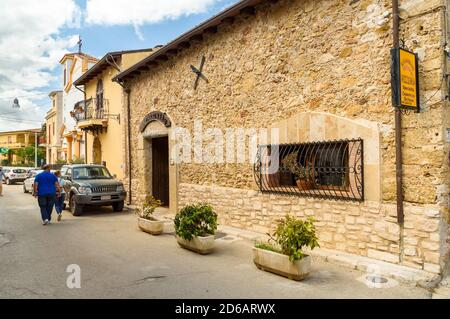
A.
x: 16, y: 104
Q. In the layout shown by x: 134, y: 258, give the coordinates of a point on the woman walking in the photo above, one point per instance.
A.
x: 60, y: 196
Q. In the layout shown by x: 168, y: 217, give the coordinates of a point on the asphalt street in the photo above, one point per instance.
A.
x: 117, y: 260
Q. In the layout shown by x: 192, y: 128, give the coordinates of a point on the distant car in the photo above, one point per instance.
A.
x: 28, y: 184
x: 14, y: 175
x: 92, y: 185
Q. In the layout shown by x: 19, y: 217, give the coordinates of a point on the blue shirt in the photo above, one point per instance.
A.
x: 46, y: 183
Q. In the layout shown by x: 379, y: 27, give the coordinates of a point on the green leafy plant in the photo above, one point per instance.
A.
x: 195, y: 220
x: 61, y: 161
x: 291, y: 236
x: 149, y: 207
x: 78, y: 160
x: 291, y: 163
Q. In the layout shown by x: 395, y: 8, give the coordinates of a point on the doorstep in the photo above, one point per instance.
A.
x: 400, y: 273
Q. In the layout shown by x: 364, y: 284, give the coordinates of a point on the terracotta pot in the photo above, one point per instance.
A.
x: 201, y: 245
x: 305, y: 184
x: 154, y: 227
x: 281, y: 265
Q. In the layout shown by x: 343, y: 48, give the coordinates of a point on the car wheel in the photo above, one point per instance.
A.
x: 75, y: 208
x: 118, y: 206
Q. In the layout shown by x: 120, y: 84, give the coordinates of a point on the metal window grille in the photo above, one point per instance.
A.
x: 329, y: 170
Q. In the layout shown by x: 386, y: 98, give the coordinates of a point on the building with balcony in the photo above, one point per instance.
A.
x: 99, y: 115
x: 14, y: 141
x: 74, y: 65
x: 54, y: 125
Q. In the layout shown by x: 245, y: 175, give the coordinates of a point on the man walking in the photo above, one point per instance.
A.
x: 2, y: 176
x: 45, y: 187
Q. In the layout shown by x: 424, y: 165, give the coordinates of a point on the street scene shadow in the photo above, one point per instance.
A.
x: 103, y: 212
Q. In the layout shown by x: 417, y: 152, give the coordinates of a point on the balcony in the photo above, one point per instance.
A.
x: 91, y: 115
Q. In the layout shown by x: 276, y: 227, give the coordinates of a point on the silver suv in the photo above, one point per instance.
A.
x: 92, y: 185
x: 14, y: 175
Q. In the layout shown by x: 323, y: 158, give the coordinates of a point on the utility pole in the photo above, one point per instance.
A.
x: 35, y: 150
x: 398, y: 122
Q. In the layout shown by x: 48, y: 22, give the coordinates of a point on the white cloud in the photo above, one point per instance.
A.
x: 140, y: 12
x: 30, y: 48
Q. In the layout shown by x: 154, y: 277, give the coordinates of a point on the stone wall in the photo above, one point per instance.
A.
x: 299, y: 56
x: 367, y: 229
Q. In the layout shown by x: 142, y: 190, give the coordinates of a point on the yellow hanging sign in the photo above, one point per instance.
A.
x: 409, y: 88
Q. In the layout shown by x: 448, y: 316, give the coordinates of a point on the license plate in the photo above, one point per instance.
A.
x: 105, y: 197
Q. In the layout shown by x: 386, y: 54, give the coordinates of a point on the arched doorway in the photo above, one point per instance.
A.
x: 97, y: 151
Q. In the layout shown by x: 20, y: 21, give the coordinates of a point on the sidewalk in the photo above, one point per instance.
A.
x: 403, y: 274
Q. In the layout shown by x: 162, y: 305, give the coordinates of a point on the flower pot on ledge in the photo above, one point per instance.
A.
x: 201, y: 245
x: 281, y: 265
x: 305, y: 184
x: 154, y: 226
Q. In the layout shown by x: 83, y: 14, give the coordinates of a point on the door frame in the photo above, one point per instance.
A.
x: 167, y: 203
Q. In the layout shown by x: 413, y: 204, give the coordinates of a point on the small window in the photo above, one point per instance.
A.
x: 331, y: 170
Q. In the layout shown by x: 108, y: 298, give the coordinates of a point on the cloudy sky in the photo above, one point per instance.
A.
x: 35, y: 34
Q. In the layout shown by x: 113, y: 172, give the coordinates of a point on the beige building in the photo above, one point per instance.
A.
x: 319, y: 72
x: 15, y: 141
x: 54, y: 125
x: 100, y: 113
x: 73, y: 66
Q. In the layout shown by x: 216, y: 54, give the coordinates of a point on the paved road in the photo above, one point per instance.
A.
x: 119, y: 261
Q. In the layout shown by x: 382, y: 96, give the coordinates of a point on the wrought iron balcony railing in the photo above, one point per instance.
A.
x: 91, y: 109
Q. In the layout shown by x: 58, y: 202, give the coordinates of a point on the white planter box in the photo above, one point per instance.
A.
x: 201, y: 245
x: 281, y: 265
x: 154, y: 227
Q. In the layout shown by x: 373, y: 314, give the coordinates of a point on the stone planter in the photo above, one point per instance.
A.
x: 281, y: 265
x: 201, y: 245
x: 154, y: 227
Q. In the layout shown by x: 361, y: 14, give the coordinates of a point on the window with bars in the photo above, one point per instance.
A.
x: 332, y: 169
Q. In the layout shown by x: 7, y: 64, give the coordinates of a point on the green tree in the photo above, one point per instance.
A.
x: 26, y: 155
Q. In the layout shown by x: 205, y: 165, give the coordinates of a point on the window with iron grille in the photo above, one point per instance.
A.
x: 332, y: 169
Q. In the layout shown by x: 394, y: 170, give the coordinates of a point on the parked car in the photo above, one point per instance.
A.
x: 92, y: 185
x: 14, y: 175
x: 28, y: 184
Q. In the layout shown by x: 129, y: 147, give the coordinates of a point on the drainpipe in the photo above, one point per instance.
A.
x: 398, y: 138
x: 398, y: 123
x: 128, y: 91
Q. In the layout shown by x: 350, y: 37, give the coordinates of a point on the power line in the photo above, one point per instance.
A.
x: 19, y: 120
x: 23, y: 96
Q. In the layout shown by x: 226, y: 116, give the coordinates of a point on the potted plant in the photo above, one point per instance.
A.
x: 146, y: 221
x: 303, y: 175
x: 283, y: 254
x: 195, y: 226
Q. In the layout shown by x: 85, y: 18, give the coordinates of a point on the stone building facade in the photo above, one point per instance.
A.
x: 318, y: 71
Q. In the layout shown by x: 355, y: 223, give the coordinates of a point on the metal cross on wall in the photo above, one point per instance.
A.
x: 199, y: 72
x: 80, y: 44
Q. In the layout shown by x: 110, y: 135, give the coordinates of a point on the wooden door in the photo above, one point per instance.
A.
x: 160, y: 169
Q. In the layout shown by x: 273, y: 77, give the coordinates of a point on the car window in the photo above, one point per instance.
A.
x: 19, y: 171
x: 91, y: 173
